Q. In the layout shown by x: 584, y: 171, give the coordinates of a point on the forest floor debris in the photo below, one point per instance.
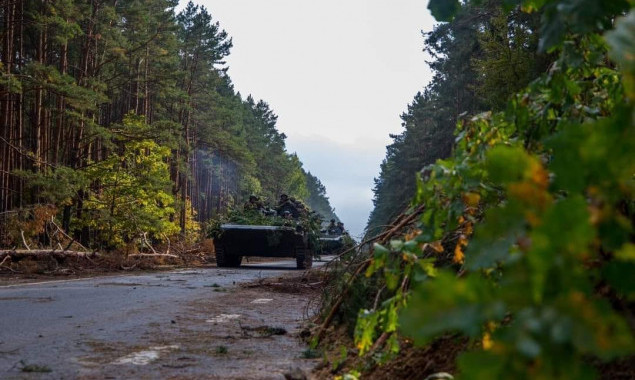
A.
x: 18, y: 266
x: 46, y: 263
x: 411, y: 362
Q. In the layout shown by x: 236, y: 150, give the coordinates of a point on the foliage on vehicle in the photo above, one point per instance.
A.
x: 310, y: 222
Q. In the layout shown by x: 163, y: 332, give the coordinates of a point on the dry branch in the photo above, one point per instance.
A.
x: 2, y: 264
x: 24, y: 240
x: 20, y: 253
x: 340, y: 299
x: 401, y: 222
x: 145, y: 239
x: 153, y: 255
x: 68, y: 237
x: 4, y: 260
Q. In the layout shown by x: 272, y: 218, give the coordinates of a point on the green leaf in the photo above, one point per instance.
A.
x: 392, y: 277
x: 391, y: 318
x: 565, y: 230
x: 481, y: 365
x: 380, y: 254
x: 507, y: 164
x: 620, y: 275
x: 572, y: 87
x: 614, y: 232
x: 380, y: 250
x: 412, y: 246
x: 528, y: 347
x: 448, y: 303
x: 494, y: 237
x: 396, y: 245
x: 626, y: 253
x: 365, y: 330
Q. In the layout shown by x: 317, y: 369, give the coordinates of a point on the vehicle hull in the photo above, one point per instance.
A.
x: 236, y: 241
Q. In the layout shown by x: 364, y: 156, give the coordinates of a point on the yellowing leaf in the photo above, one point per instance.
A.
x: 468, y: 229
x: 459, y: 256
x: 595, y: 214
x: 437, y: 246
x: 487, y: 341
x: 412, y: 234
x: 538, y: 174
x: 471, y: 199
x: 529, y: 193
x: 626, y: 253
x: 532, y: 218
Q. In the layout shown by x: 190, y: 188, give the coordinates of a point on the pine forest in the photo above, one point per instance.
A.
x: 119, y: 120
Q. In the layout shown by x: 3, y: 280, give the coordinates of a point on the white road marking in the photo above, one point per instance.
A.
x: 144, y: 357
x: 262, y: 300
x: 223, y: 318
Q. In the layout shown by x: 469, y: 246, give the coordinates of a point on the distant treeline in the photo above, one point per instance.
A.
x: 119, y: 119
x: 478, y: 60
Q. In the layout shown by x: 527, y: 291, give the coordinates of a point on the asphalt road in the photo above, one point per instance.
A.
x: 51, y: 325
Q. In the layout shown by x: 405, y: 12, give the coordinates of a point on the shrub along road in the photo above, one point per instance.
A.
x: 200, y: 323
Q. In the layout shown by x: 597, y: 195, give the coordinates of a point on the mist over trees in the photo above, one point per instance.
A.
x: 119, y: 118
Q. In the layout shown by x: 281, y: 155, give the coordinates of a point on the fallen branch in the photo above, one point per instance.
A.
x: 340, y: 299
x: 153, y: 255
x: 128, y: 268
x: 68, y: 237
x: 2, y: 265
x: 4, y: 260
x: 380, y: 342
x: 45, y: 252
x: 168, y: 239
x: 145, y: 239
x: 192, y: 251
x: 401, y: 222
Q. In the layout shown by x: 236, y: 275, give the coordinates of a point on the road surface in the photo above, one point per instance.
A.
x: 195, y: 323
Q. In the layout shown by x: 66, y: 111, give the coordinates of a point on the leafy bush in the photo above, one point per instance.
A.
x: 135, y: 196
x: 538, y: 203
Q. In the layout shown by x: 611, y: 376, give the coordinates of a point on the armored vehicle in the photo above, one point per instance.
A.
x: 235, y: 241
x: 331, y: 244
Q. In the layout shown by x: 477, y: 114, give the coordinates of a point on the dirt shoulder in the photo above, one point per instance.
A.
x: 26, y: 269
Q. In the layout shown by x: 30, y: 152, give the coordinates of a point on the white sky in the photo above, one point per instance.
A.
x: 338, y: 73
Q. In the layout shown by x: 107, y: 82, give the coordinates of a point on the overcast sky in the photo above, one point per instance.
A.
x: 338, y: 73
